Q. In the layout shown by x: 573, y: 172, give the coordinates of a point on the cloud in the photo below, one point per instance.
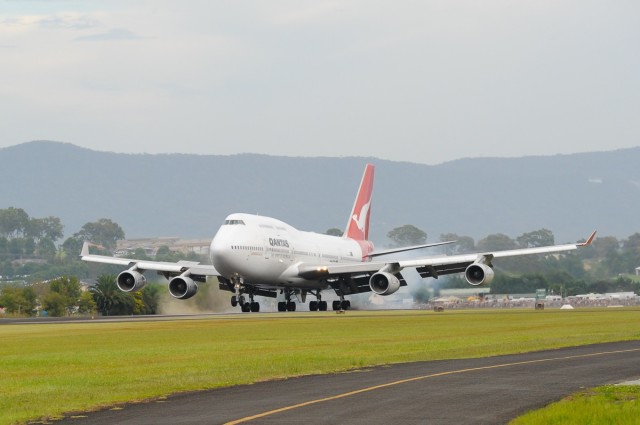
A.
x: 308, y: 14
x: 68, y: 21
x: 111, y: 35
x: 64, y: 21
x: 409, y: 80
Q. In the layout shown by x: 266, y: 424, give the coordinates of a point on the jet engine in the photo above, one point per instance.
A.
x: 130, y: 281
x: 182, y: 287
x: 478, y: 274
x: 383, y: 283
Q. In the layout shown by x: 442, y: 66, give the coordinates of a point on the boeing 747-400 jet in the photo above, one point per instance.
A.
x: 255, y: 256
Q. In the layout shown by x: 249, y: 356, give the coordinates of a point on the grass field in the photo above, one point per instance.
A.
x: 48, y: 369
x: 608, y: 405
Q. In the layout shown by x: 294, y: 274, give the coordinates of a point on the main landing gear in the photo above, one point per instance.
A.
x: 318, y: 305
x: 341, y: 305
x: 287, y: 305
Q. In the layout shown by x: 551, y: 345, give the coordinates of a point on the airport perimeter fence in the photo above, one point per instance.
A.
x: 531, y: 303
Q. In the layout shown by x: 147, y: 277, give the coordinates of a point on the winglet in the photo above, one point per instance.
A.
x: 85, y: 249
x: 588, y: 242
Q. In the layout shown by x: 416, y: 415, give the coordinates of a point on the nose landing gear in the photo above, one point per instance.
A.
x: 245, y: 307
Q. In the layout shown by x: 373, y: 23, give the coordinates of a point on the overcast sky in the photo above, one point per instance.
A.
x: 422, y: 81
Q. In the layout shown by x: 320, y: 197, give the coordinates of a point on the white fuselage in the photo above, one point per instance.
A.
x: 266, y: 252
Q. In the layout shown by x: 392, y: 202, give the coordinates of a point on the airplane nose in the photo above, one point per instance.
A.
x: 217, y: 250
x: 221, y: 254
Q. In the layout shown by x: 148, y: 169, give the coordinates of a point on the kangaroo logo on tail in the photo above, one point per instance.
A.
x: 361, y: 221
x: 358, y: 226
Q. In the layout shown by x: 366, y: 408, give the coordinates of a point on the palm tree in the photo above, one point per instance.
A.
x: 108, y: 297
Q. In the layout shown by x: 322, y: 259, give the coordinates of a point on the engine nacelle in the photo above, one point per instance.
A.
x: 130, y: 281
x: 383, y: 283
x: 478, y: 274
x: 182, y: 287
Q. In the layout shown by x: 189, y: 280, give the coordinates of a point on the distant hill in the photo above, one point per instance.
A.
x: 190, y: 195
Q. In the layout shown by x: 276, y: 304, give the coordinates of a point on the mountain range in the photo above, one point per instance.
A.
x: 190, y: 195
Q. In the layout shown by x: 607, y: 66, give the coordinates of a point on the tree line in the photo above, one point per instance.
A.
x: 605, y: 266
x: 35, y: 280
x: 31, y: 246
x: 64, y: 296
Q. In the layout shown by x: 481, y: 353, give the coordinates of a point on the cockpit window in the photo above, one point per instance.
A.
x: 234, y: 222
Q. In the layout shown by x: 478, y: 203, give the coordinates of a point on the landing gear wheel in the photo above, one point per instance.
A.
x: 282, y: 306
x: 234, y: 301
x: 246, y: 307
x: 322, y: 305
x: 346, y: 305
x: 313, y: 305
x: 255, y: 307
x: 336, y: 305
x: 291, y: 306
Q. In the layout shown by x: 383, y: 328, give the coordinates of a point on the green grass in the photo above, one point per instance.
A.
x: 48, y: 369
x: 608, y: 405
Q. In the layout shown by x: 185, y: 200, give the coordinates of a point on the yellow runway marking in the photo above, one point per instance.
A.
x: 417, y: 378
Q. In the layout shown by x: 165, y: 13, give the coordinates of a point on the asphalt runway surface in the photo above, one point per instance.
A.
x: 490, y: 390
x: 99, y: 319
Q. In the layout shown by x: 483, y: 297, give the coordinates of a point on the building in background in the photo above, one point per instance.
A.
x: 151, y: 246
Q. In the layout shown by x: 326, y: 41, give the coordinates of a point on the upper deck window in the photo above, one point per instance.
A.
x: 234, y: 222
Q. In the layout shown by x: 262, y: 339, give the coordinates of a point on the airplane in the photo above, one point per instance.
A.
x: 256, y: 256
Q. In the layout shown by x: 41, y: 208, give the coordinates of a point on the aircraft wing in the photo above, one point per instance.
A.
x: 434, y: 267
x: 168, y: 268
x: 407, y: 248
x: 429, y: 266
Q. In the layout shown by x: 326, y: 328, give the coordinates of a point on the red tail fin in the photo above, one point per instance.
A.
x: 358, y: 226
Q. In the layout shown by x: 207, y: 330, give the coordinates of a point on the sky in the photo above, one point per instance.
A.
x: 423, y: 81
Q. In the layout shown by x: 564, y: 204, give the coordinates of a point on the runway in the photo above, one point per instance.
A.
x: 102, y: 319
x: 471, y: 391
